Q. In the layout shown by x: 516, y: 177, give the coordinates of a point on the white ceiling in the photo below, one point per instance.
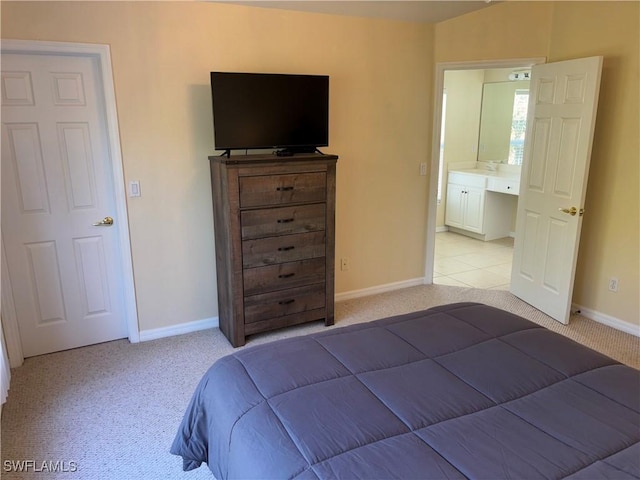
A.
x: 426, y: 11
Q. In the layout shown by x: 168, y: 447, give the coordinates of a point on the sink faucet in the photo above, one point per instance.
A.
x: 491, y: 166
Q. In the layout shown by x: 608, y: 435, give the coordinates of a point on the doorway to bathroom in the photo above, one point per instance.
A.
x: 480, y: 127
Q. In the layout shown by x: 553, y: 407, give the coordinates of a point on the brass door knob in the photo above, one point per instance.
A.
x: 105, y: 222
x: 572, y: 211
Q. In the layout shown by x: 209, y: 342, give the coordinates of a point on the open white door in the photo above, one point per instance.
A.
x: 562, y: 113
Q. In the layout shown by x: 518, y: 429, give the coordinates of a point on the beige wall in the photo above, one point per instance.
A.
x: 610, y: 245
x: 462, y: 123
x: 610, y: 242
x: 381, y: 91
x: 162, y: 53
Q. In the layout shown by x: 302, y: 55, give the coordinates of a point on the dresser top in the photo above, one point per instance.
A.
x: 272, y: 158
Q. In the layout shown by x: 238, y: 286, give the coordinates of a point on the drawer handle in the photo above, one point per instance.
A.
x: 287, y: 302
x: 285, y: 220
x: 284, y: 249
x: 286, y: 275
x: 284, y: 189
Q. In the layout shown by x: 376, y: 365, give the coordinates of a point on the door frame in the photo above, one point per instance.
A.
x: 102, y: 54
x: 432, y: 194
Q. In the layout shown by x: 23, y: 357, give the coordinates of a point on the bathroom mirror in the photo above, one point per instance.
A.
x: 503, y: 120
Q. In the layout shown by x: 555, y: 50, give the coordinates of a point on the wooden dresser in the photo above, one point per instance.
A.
x: 274, y: 221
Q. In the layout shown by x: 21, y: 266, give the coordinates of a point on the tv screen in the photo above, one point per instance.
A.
x: 265, y: 110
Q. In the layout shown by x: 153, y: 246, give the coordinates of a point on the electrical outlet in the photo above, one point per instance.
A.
x: 613, y: 284
x: 344, y: 264
x: 423, y: 168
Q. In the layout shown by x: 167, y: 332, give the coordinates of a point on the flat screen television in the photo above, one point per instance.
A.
x: 266, y: 110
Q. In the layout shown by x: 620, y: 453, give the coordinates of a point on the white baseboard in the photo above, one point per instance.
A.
x: 389, y: 287
x: 181, y: 329
x: 213, y: 322
x: 197, y: 325
x: 443, y: 228
x: 607, y: 320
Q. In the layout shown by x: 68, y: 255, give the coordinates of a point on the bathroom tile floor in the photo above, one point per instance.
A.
x: 466, y: 262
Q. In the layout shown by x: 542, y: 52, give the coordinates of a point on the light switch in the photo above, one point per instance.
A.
x: 134, y: 188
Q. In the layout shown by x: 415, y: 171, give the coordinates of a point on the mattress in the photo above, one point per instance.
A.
x: 456, y: 391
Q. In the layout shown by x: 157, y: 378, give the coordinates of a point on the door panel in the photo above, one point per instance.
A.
x: 92, y: 273
x: 539, y: 146
x: 45, y: 282
x: 25, y: 156
x: 75, y: 150
x: 557, y: 234
x: 562, y: 111
x: 65, y: 272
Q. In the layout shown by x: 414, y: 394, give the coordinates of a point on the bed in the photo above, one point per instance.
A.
x: 456, y: 391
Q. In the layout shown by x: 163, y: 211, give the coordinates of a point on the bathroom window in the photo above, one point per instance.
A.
x: 518, y: 126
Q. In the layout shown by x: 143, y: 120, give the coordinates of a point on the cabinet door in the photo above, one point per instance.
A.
x: 454, y: 209
x: 474, y: 209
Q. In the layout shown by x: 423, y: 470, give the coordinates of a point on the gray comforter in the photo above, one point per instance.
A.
x: 458, y: 391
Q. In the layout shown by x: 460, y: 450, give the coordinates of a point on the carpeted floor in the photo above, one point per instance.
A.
x: 113, y: 409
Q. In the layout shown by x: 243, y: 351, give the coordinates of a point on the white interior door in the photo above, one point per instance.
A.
x: 562, y: 112
x: 64, y: 272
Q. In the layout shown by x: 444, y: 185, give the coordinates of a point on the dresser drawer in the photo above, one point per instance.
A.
x: 285, y: 248
x: 287, y: 320
x: 281, y: 189
x: 284, y: 302
x: 282, y: 220
x: 283, y: 276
